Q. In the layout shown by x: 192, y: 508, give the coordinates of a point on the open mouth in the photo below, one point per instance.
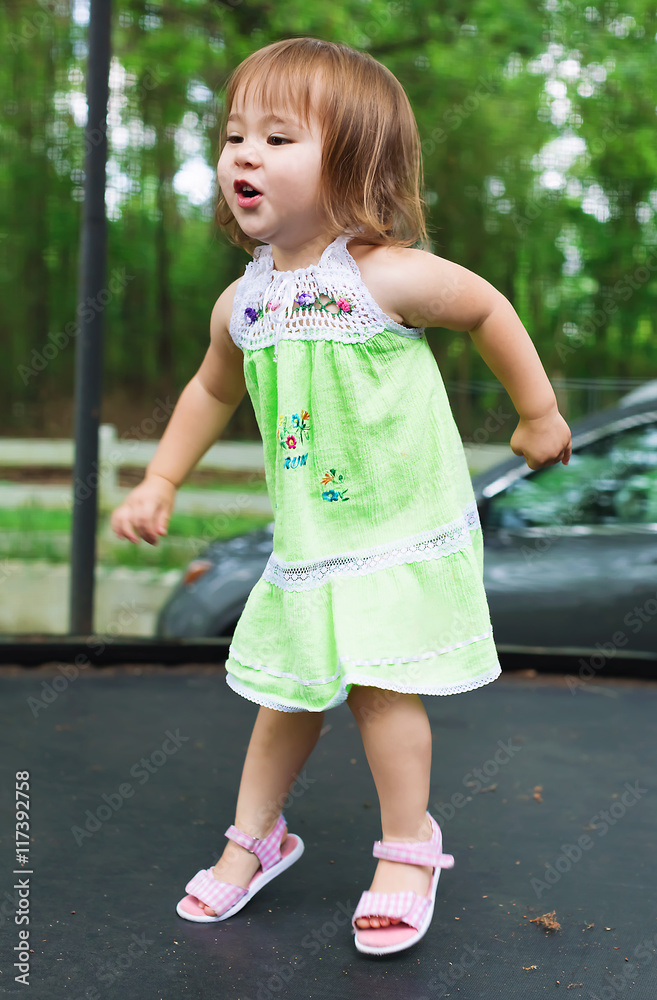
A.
x: 246, y: 191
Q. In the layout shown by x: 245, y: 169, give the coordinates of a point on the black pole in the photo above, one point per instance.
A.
x: 89, y: 348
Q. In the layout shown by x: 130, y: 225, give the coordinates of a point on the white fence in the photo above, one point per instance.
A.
x: 125, y: 453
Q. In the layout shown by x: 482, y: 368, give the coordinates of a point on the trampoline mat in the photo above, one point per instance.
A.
x: 545, y: 793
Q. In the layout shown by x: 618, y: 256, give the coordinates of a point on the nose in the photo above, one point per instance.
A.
x: 246, y: 154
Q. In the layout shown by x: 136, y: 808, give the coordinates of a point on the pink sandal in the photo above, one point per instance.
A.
x: 416, y: 911
x: 224, y: 897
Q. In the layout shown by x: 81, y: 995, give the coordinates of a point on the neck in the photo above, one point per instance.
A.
x: 290, y: 258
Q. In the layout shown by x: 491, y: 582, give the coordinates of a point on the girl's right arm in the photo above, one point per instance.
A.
x: 205, y: 406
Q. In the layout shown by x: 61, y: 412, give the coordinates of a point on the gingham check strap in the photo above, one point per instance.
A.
x: 427, y: 852
x: 267, y: 850
x: 218, y: 895
x: 410, y: 907
x: 407, y: 905
x: 222, y: 895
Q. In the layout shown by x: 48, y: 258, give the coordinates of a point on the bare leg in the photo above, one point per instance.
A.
x: 397, y: 739
x: 280, y: 744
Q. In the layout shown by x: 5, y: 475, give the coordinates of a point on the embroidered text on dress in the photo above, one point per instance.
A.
x: 291, y: 432
x: 444, y: 540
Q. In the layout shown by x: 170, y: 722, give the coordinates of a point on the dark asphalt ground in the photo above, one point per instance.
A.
x: 545, y: 792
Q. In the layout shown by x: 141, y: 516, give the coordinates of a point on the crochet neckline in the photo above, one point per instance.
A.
x: 334, y: 303
x: 263, y: 254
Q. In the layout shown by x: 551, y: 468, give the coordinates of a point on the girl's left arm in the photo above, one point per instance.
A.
x: 431, y: 291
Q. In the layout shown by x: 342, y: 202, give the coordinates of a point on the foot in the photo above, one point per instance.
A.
x: 237, y: 866
x: 398, y: 876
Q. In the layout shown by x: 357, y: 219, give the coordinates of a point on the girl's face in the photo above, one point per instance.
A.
x: 269, y: 172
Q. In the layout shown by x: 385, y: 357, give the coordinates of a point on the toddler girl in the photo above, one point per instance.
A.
x: 373, y: 593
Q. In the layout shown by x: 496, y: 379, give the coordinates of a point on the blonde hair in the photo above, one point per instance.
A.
x: 371, y: 175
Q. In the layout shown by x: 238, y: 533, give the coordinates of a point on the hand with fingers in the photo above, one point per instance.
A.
x: 543, y: 440
x: 146, y: 510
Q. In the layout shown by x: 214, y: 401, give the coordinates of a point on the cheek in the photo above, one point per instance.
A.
x: 223, y: 175
x: 304, y: 173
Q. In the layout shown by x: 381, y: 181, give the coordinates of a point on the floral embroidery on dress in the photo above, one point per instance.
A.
x: 331, y: 476
x: 252, y: 315
x: 291, y: 435
x: 307, y: 301
x: 304, y: 301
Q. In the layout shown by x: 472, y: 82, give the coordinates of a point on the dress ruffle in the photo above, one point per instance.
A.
x: 395, y: 629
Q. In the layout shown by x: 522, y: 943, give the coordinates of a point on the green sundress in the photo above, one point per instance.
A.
x: 376, y: 572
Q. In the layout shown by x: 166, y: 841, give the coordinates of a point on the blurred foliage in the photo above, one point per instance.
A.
x: 32, y: 533
x: 537, y: 122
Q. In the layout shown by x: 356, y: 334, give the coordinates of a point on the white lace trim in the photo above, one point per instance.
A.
x: 460, y: 687
x: 273, y: 672
x: 259, y: 699
x: 431, y: 544
x: 267, y: 306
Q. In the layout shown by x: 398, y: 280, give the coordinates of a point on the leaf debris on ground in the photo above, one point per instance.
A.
x: 548, y: 921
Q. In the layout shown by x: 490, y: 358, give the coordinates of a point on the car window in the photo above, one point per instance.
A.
x: 610, y: 482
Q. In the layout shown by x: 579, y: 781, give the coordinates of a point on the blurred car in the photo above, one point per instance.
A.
x: 570, y: 551
x: 642, y: 394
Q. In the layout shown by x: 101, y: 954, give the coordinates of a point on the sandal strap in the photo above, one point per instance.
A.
x: 413, y: 854
x: 423, y: 852
x: 219, y: 896
x: 267, y: 849
x: 408, y: 906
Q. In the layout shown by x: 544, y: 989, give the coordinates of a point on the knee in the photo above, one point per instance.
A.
x: 369, y: 703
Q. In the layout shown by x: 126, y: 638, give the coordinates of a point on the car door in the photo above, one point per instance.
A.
x: 571, y: 551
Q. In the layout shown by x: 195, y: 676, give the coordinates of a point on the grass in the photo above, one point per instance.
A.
x: 32, y: 533
x: 34, y: 519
